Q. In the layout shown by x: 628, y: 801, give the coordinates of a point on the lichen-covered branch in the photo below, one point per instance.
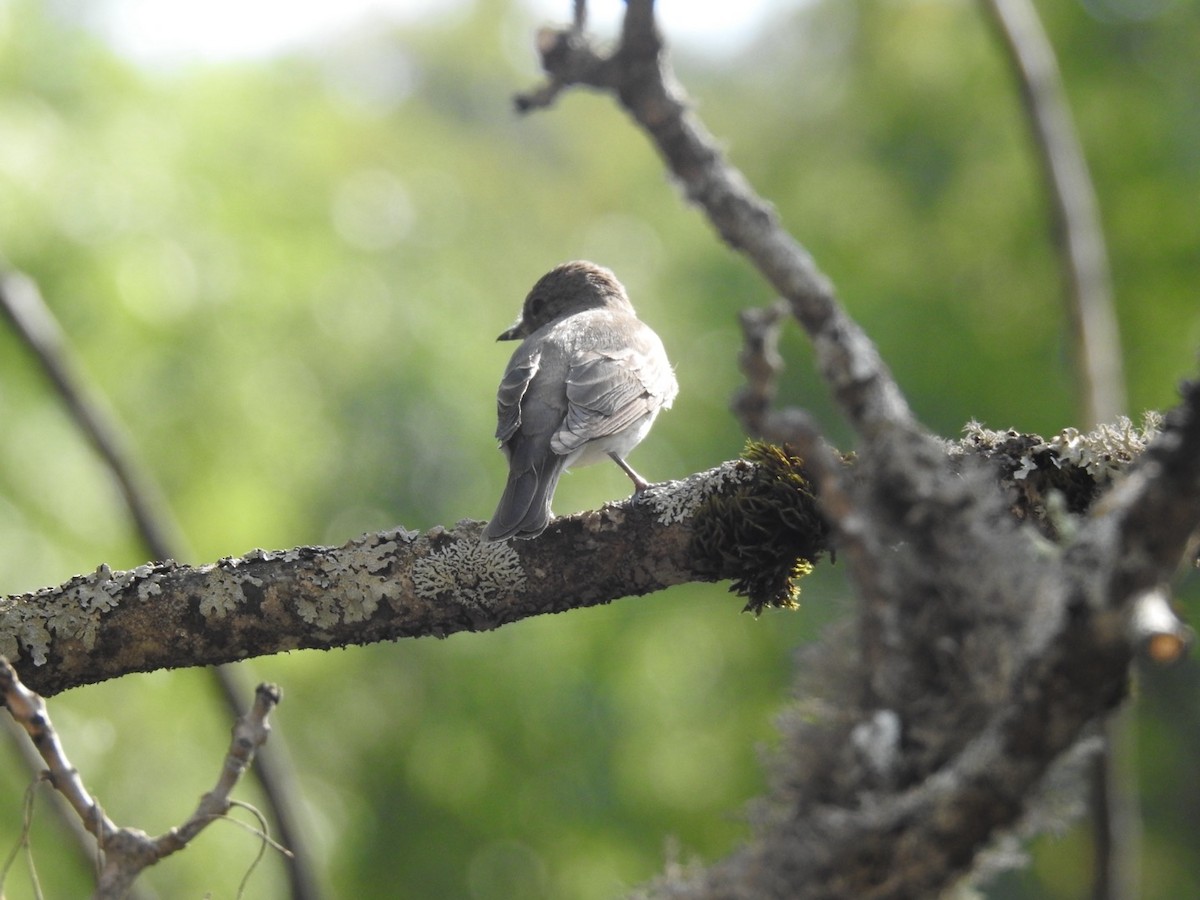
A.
x: 754, y: 523
x: 388, y: 585
x: 983, y: 655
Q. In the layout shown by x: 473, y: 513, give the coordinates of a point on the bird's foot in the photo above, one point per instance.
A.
x: 640, y: 484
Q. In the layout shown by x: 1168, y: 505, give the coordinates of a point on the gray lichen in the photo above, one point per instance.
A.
x: 1102, y: 452
x: 468, y: 571
x: 684, y: 498
x: 324, y: 610
x: 72, y: 613
x: 1107, y: 449
x: 24, y: 631
x: 362, y: 571
x: 224, y: 589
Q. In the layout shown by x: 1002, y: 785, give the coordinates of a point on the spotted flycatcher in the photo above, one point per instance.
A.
x: 586, y: 383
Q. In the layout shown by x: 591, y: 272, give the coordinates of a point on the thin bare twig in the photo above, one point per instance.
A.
x: 127, y: 852
x: 762, y: 365
x: 82, y: 839
x: 1076, y: 215
x: 1101, y: 388
x: 35, y: 325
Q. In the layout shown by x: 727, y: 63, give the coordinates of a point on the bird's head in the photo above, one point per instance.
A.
x: 566, y: 289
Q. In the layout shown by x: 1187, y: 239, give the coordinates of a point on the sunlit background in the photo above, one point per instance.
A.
x: 283, y: 236
x: 172, y: 34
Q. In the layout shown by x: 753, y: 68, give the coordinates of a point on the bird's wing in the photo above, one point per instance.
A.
x: 517, y: 377
x: 610, y: 390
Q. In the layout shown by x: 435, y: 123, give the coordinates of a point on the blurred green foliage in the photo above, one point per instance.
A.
x: 286, y: 276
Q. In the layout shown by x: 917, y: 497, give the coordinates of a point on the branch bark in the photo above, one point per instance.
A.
x: 399, y: 583
x: 639, y: 77
x: 376, y: 587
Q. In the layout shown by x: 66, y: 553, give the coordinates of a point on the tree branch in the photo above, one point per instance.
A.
x: 377, y: 587
x: 762, y: 365
x: 23, y: 306
x: 399, y: 583
x: 127, y: 852
x: 1074, y: 207
x: 637, y: 73
x: 970, y: 678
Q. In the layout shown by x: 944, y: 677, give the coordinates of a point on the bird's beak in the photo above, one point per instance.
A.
x: 514, y: 332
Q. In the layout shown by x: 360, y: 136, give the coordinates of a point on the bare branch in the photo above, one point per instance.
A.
x: 637, y: 72
x: 250, y: 732
x: 22, y: 303
x: 127, y: 852
x: 1076, y: 218
x: 29, y: 710
x: 761, y: 363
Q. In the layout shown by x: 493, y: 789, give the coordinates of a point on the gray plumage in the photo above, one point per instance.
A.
x: 586, y: 383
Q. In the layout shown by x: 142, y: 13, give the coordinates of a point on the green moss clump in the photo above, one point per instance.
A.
x: 766, y: 532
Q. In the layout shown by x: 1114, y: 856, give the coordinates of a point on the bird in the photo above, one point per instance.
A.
x: 585, y: 384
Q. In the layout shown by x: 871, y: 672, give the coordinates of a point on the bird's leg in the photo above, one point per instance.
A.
x: 639, y: 483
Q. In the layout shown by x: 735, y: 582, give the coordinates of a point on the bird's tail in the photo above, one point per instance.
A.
x: 524, y: 508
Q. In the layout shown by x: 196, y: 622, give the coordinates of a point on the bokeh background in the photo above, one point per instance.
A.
x: 286, y: 270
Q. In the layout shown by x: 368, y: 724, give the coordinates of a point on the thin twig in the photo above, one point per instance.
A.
x: 81, y: 837
x: 1084, y: 255
x: 1099, y: 376
x: 761, y: 363
x: 29, y: 710
x: 36, y: 326
x: 1076, y: 215
x: 127, y: 852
